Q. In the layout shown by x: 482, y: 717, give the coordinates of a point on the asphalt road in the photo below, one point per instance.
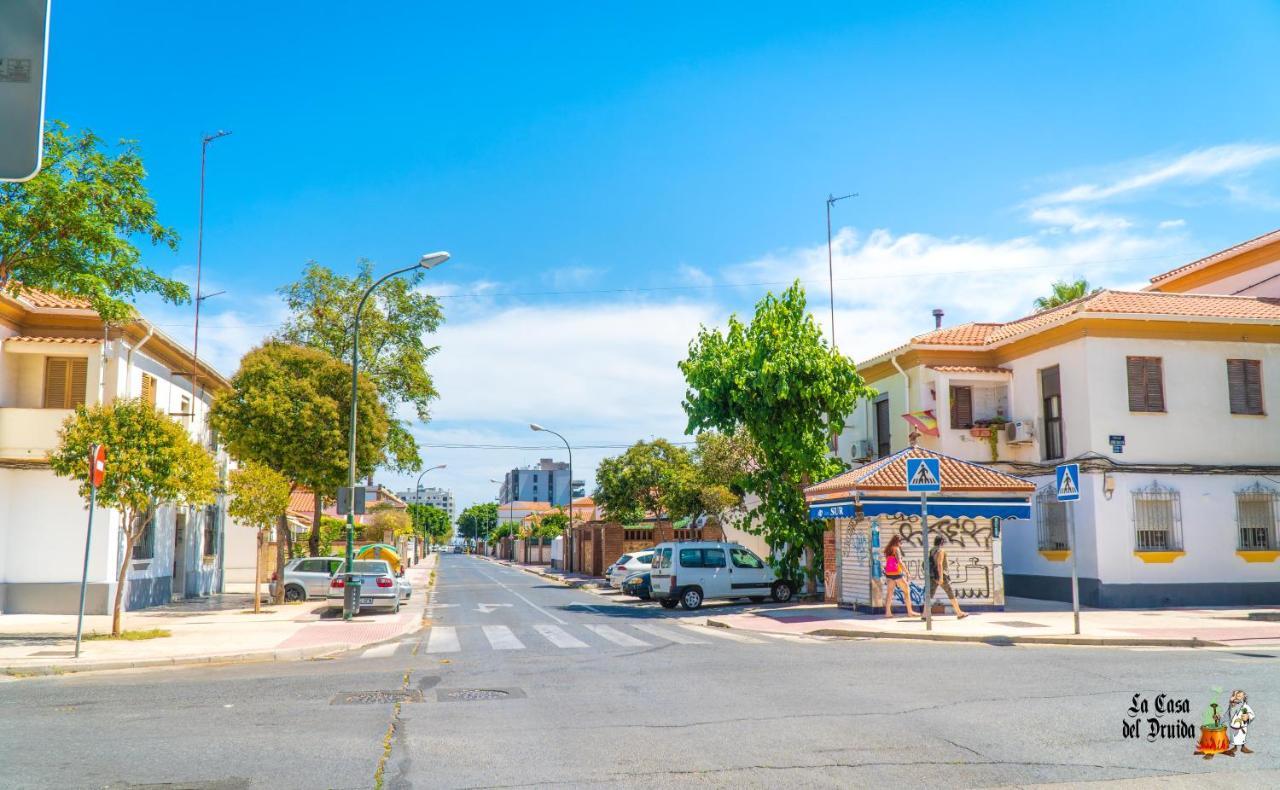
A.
x: 519, y: 682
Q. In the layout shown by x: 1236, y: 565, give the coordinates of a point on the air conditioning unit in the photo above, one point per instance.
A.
x: 1020, y: 432
x: 862, y: 450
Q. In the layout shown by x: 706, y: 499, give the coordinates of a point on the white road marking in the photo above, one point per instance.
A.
x: 558, y: 636
x: 616, y: 636
x: 487, y: 608
x: 382, y: 651
x: 443, y: 639
x: 724, y: 633
x: 501, y: 638
x: 526, y: 600
x: 668, y: 634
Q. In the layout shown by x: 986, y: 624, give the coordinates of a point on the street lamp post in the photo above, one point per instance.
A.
x: 417, y: 489
x: 427, y: 261
x: 533, y: 426
x: 831, y: 277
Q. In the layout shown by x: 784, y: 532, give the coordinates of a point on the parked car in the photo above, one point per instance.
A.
x: 638, y: 585
x: 690, y: 573
x: 406, y: 589
x: 379, y: 587
x: 305, y: 578
x: 628, y: 564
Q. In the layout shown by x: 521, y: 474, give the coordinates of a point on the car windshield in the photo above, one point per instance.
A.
x: 367, y: 566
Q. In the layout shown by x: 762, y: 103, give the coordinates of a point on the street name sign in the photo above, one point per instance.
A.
x: 924, y: 474
x: 24, y: 39
x: 1067, y: 477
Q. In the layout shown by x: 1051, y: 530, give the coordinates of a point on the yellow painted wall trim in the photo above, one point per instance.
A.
x: 1257, y: 555
x: 1159, y: 556
x: 1055, y: 555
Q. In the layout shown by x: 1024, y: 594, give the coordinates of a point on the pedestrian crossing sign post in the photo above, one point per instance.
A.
x: 1067, y: 483
x: 925, y: 475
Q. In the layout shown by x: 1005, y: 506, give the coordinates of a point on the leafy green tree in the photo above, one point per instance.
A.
x: 551, y: 525
x: 722, y: 463
x: 1064, y: 292
x: 71, y: 229
x: 290, y: 409
x: 151, y: 460
x: 776, y: 379
x: 478, y: 520
x: 430, y: 522
x: 649, y: 477
x: 259, y: 496
x: 392, y: 352
x: 387, y: 519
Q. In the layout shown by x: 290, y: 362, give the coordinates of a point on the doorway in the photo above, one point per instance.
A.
x: 179, y: 556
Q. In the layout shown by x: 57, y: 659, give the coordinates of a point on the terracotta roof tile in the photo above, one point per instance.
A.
x: 890, y: 474
x: 968, y: 369
x: 972, y: 334
x: 38, y: 298
x: 1230, y: 252
x: 50, y: 339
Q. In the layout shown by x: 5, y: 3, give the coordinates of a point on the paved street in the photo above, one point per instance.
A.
x: 597, y: 693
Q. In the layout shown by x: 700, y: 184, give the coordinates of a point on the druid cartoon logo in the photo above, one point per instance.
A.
x: 1226, y: 734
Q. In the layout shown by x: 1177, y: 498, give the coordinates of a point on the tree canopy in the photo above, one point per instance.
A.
x: 649, y: 477
x: 392, y: 352
x: 1063, y: 292
x: 430, y: 522
x: 151, y: 460
x: 71, y: 229
x: 477, y: 520
x: 777, y: 379
x: 259, y: 496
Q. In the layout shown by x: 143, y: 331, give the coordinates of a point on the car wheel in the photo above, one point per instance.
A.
x: 691, y: 599
x: 669, y: 603
x: 781, y: 592
x: 294, y: 594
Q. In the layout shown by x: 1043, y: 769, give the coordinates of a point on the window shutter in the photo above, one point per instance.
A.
x: 1155, y: 384
x: 148, y: 390
x: 79, y: 375
x: 1146, y: 383
x: 55, y: 383
x: 961, y: 407
x: 1244, y: 383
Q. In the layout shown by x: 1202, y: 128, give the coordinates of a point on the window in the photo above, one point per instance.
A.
x: 1051, y: 520
x: 149, y: 390
x: 745, y: 559
x: 691, y: 558
x: 65, y: 382
x: 1257, y: 511
x: 144, y: 548
x: 1244, y: 385
x: 962, y: 407
x: 882, y: 426
x: 1051, y: 393
x: 713, y: 558
x: 1157, y: 519
x: 184, y: 406
x: 662, y: 559
x: 211, y: 531
x: 1146, y: 384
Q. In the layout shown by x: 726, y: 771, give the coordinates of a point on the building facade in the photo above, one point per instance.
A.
x: 441, y: 498
x: 546, y: 482
x: 55, y: 355
x: 1169, y: 402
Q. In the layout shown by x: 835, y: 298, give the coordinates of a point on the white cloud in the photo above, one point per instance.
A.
x: 692, y: 275
x: 1169, y: 224
x: 1077, y: 221
x: 1190, y: 168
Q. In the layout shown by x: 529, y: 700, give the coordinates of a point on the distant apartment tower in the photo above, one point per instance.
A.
x: 435, y: 497
x: 546, y: 482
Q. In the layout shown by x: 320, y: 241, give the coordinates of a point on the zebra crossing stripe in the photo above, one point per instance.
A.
x: 668, y: 634
x: 558, y: 636
x: 502, y: 638
x: 616, y: 636
x: 724, y: 633
x: 443, y: 639
x: 382, y: 651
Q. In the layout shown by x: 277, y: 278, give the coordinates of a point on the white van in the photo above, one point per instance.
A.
x: 687, y: 573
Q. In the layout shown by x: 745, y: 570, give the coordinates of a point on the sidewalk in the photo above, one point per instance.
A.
x: 218, y: 629
x: 1028, y: 622
x: 546, y: 571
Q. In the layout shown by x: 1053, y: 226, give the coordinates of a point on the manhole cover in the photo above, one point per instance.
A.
x: 376, y: 697
x: 471, y: 695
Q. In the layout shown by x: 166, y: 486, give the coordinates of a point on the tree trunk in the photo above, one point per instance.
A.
x: 257, y: 574
x: 282, y: 529
x: 288, y: 543
x: 316, y: 509
x: 129, y: 539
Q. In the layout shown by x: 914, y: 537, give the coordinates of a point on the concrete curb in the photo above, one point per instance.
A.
x: 1080, y: 641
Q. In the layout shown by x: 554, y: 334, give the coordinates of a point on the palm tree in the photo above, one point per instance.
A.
x: 1064, y: 292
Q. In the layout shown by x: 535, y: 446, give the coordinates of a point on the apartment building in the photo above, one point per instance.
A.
x: 546, y: 482
x: 56, y: 354
x: 441, y: 498
x: 1168, y: 398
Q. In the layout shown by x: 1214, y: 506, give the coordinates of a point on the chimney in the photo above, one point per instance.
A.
x: 937, y: 317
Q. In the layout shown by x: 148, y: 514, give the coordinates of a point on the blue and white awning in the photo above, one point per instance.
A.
x: 940, y: 506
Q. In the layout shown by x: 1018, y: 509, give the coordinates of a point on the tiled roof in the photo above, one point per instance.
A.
x: 1230, y: 252
x: 49, y: 339
x: 890, y: 474
x: 960, y: 335
x: 301, y: 503
x: 968, y: 369
x: 38, y: 298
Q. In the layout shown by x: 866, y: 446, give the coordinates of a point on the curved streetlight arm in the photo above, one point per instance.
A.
x: 570, y: 449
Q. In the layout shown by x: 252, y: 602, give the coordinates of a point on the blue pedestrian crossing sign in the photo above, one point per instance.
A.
x: 923, y: 474
x: 1068, y: 482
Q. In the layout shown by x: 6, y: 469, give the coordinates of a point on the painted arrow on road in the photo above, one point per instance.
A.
x: 487, y: 608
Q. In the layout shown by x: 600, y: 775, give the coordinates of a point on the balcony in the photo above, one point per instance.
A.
x: 30, y: 434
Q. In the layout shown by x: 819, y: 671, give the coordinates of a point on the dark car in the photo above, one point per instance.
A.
x: 637, y: 584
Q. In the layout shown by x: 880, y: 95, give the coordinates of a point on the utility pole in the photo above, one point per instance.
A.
x: 831, y: 278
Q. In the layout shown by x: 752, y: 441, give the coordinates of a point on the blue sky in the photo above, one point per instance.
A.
x: 609, y: 176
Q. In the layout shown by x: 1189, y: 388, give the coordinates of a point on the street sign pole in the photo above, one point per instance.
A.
x: 924, y: 538
x: 97, y: 466
x: 1075, y: 574
x: 1067, y: 485
x: 924, y: 475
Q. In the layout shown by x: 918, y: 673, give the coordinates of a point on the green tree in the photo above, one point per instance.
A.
x: 551, y: 525
x: 478, y: 520
x: 430, y: 522
x: 723, y: 462
x: 649, y: 477
x: 151, y: 460
x: 1064, y: 292
x: 392, y: 352
x: 387, y: 519
x: 290, y: 409
x: 71, y: 229
x: 259, y: 496
x: 776, y: 379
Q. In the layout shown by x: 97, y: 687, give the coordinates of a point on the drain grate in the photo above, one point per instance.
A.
x: 381, y: 697
x: 471, y: 695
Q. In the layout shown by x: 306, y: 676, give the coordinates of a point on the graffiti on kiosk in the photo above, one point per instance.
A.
x: 970, y: 575
x: 860, y: 548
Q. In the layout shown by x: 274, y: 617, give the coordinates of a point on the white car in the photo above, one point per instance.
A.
x: 690, y: 573
x: 379, y: 588
x: 627, y: 565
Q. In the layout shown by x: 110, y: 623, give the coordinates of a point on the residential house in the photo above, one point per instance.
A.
x: 1170, y: 402
x: 55, y: 354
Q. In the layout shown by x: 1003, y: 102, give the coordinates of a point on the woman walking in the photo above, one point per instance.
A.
x: 895, y: 576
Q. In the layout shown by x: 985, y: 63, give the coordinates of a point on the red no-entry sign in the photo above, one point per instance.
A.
x: 98, y: 464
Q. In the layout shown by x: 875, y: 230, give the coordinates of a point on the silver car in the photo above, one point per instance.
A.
x: 379, y: 587
x: 305, y: 578
x: 629, y: 565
